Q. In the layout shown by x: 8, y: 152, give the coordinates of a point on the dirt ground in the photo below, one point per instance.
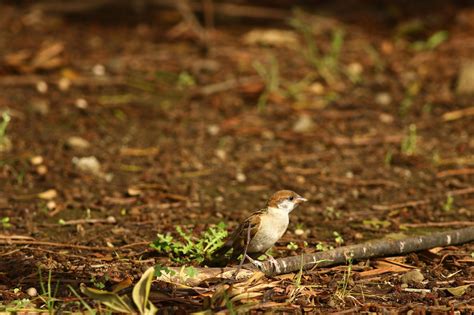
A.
x: 355, y: 107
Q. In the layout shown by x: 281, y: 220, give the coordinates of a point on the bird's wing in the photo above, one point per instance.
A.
x: 238, y: 239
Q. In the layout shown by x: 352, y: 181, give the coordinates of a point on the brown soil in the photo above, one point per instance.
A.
x: 196, y: 158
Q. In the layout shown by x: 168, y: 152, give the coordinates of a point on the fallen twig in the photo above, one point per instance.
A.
x: 415, y: 203
x: 462, y: 171
x: 378, y: 248
x: 65, y: 245
x: 438, y: 224
x: 407, y: 204
x: 458, y: 114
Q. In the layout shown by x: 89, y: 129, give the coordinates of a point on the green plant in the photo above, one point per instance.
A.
x: 338, y: 238
x: 6, y: 222
x: 271, y: 78
x: 410, y: 93
x: 122, y: 304
x: 292, y: 246
x: 323, y: 247
x: 448, y: 204
x: 97, y: 283
x: 48, y: 296
x: 190, y: 248
x: 342, y: 291
x: 3, y: 126
x: 327, y: 65
x: 431, y: 42
x: 185, y: 80
x: 20, y: 305
x: 388, y: 158
x: 409, y: 142
x: 86, y: 306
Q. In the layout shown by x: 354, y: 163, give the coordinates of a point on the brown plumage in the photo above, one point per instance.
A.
x: 260, y: 230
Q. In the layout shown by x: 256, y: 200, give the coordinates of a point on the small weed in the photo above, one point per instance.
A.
x: 388, y: 158
x: 292, y: 246
x: 448, y: 204
x: 432, y: 42
x: 6, y: 223
x: 377, y: 60
x: 190, y: 248
x: 338, y: 238
x: 332, y: 213
x: 48, y: 296
x: 342, y: 291
x: 410, y: 93
x: 160, y: 270
x: 19, y: 306
x: 185, y: 80
x: 326, y: 65
x: 408, y: 145
x: 97, y: 283
x: 86, y: 306
x: 271, y: 78
x: 376, y: 223
x: 323, y: 247
x: 122, y: 303
x: 3, y: 126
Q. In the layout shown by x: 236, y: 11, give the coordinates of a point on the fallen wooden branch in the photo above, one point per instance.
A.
x: 338, y: 256
x: 379, y: 248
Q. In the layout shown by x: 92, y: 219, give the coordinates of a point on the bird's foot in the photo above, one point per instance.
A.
x: 254, y: 262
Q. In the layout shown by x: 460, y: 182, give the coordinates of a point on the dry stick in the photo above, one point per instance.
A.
x: 367, y: 250
x: 64, y: 245
x: 462, y: 171
x: 438, y: 224
x: 415, y: 203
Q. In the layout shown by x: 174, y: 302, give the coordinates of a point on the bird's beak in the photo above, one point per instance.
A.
x: 300, y: 199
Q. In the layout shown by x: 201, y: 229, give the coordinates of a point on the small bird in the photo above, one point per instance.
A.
x: 260, y: 231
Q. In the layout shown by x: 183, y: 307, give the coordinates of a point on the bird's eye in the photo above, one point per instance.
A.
x: 291, y: 198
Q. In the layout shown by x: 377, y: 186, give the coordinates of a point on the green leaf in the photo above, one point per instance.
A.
x: 458, y: 291
x: 117, y: 303
x: 141, y: 293
x: 191, y: 272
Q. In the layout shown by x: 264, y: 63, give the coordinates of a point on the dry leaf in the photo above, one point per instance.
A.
x: 48, y: 194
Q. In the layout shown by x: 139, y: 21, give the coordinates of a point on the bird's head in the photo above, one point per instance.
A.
x: 285, y: 200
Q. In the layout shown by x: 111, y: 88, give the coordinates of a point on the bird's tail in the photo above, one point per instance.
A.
x: 218, y: 258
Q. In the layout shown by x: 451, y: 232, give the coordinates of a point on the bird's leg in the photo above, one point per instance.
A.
x: 255, y: 262
x: 247, y: 242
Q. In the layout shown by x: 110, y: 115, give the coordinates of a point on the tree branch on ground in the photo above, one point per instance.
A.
x: 338, y: 256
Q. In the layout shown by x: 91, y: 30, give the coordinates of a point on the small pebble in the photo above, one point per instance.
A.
x: 299, y: 232
x: 111, y: 219
x: 316, y: 88
x: 303, y: 124
x: 42, y: 170
x: 240, y: 177
x: 98, y: 70
x: 81, y: 103
x: 51, y: 205
x: 42, y: 87
x: 64, y: 84
x: 89, y: 164
x: 355, y: 69
x: 221, y: 154
x: 386, y: 118
x: 213, y: 130
x: 383, y: 99
x: 32, y: 292
x: 413, y: 276
x: 37, y: 160
x: 77, y: 143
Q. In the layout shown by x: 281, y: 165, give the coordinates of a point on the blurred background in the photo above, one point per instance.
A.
x: 149, y: 114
